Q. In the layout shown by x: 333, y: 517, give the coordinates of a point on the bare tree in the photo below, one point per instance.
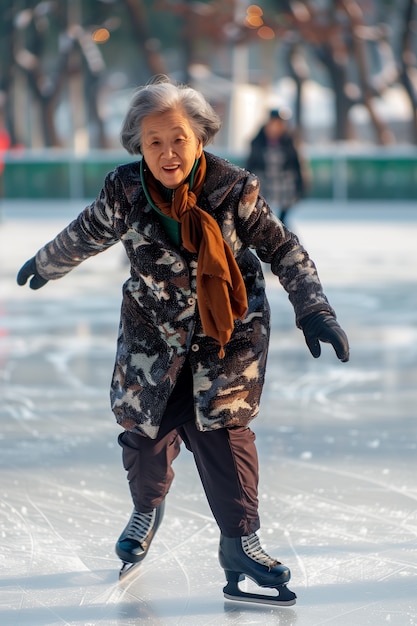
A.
x: 147, y: 44
x: 48, y: 53
x: 407, y: 64
x: 336, y: 37
x: 51, y: 51
x: 346, y: 37
x: 32, y: 27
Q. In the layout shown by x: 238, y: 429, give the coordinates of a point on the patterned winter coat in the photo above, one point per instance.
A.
x: 160, y: 326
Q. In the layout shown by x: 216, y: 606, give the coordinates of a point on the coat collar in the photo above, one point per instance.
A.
x: 221, y: 177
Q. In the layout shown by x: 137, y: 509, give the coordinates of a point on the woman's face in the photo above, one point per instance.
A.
x: 170, y: 147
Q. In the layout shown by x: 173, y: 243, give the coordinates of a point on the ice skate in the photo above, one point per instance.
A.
x: 244, y: 556
x: 135, y: 540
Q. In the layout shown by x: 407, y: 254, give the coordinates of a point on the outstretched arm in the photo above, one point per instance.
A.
x: 297, y: 273
x: 90, y: 233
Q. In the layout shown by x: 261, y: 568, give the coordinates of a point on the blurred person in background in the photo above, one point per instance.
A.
x: 195, y: 320
x: 274, y: 158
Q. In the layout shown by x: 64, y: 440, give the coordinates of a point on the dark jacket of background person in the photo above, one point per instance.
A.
x: 273, y: 157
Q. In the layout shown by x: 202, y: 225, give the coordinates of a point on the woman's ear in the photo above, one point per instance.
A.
x: 199, y: 151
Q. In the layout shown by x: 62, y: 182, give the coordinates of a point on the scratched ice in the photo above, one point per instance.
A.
x: 337, y: 444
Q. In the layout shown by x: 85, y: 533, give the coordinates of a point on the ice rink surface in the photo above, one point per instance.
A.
x: 337, y: 443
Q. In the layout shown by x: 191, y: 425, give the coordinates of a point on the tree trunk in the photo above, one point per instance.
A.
x: 354, y: 13
x: 152, y: 58
x: 298, y: 72
x: 408, y: 63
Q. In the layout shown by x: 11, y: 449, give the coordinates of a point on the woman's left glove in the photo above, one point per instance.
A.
x: 324, y: 327
x: 26, y: 271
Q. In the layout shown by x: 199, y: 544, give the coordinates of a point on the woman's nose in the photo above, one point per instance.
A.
x: 168, y: 150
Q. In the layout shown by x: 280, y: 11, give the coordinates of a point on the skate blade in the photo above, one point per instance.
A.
x: 285, y: 597
x: 127, y: 570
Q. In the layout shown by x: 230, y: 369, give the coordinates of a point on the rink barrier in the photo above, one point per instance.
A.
x: 339, y: 172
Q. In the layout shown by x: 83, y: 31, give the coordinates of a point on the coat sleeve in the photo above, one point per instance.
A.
x: 90, y: 233
x: 260, y: 229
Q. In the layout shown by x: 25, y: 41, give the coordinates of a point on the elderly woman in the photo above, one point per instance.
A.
x: 194, y: 326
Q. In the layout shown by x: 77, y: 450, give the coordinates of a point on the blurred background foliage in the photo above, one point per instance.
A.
x: 346, y: 68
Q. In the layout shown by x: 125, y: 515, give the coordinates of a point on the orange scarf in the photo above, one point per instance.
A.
x: 221, y: 292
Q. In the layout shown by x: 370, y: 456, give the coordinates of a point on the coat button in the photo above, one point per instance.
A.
x: 195, y: 347
x: 191, y: 301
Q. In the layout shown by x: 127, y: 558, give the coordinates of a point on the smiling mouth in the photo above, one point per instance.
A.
x: 170, y: 168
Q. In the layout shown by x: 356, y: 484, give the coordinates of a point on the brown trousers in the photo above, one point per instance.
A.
x: 226, y: 460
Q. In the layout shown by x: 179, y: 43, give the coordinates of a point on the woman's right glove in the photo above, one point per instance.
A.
x: 26, y: 271
x: 324, y: 327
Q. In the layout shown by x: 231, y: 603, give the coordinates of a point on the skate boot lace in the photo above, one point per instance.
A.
x: 139, y: 525
x: 253, y: 549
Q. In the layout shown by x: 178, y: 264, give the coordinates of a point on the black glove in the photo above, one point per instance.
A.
x: 324, y: 327
x: 28, y: 270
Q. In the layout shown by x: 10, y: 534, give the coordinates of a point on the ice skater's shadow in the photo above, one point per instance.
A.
x: 41, y: 600
x: 22, y: 599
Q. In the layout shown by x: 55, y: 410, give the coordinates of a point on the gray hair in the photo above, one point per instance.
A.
x: 159, y: 96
